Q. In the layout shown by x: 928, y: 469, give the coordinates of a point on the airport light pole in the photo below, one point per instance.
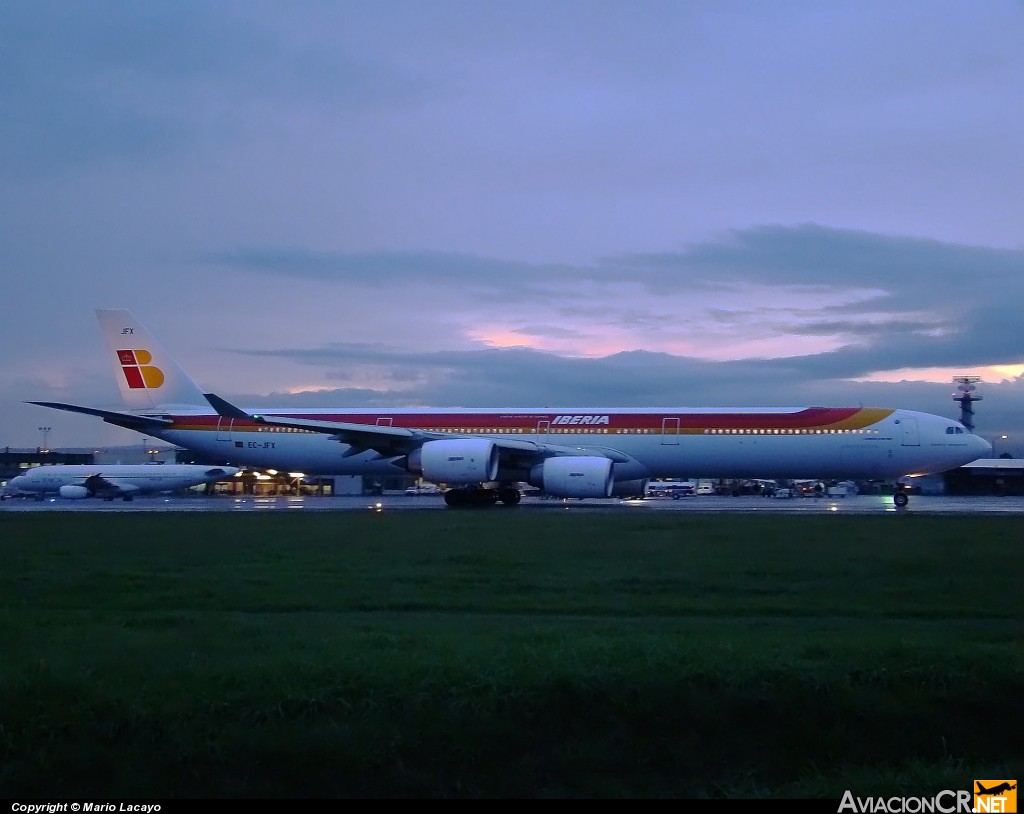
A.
x: 999, y: 438
x: 46, y: 432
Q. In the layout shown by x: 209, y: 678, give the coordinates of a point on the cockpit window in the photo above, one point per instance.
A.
x: 954, y: 430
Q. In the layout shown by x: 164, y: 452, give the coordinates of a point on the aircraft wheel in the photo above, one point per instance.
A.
x: 510, y: 497
x: 484, y: 497
x: 457, y: 498
x: 900, y: 499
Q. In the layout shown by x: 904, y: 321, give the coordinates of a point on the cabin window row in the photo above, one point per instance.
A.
x: 787, y: 431
x: 576, y: 430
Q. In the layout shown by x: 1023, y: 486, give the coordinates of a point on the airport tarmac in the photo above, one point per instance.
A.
x: 859, y: 504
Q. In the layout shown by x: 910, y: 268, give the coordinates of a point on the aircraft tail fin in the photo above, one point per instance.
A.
x: 147, y: 376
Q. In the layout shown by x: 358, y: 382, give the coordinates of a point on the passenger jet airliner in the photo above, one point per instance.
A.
x: 484, y: 454
x: 77, y: 481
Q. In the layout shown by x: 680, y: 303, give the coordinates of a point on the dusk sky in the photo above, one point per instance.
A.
x: 473, y: 203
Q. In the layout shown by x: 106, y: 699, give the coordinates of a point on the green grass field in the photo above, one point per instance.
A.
x: 507, y: 654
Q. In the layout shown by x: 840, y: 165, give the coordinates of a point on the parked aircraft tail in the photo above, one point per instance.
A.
x: 147, y: 375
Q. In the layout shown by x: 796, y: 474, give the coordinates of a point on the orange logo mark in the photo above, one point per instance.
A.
x: 998, y: 796
x: 138, y: 371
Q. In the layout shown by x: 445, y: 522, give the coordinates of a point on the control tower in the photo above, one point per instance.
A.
x: 965, y: 387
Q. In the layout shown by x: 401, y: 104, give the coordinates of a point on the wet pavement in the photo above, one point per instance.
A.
x: 859, y: 504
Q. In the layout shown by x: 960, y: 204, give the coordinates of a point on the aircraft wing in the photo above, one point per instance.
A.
x: 99, y: 485
x: 142, y: 423
x: 393, y: 441
x: 386, y: 441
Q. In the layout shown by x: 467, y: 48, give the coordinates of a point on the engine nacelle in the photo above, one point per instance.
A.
x: 574, y: 476
x: 456, y: 461
x: 630, y: 488
x: 73, y: 492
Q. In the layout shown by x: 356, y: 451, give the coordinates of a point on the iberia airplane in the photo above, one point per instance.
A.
x: 483, y: 454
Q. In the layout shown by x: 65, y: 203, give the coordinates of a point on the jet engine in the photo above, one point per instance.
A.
x: 630, y: 488
x: 574, y: 476
x: 73, y: 492
x: 456, y: 461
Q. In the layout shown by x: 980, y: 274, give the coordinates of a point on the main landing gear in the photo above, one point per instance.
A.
x: 900, y: 497
x: 475, y: 496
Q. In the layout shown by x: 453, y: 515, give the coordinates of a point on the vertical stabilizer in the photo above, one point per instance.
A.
x: 146, y: 374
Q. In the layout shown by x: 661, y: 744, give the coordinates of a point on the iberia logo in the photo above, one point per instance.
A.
x: 138, y: 371
x: 995, y: 795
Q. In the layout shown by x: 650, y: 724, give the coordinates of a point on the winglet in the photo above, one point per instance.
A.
x: 226, y: 408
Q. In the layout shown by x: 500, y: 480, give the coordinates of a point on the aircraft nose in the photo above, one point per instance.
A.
x: 983, y: 447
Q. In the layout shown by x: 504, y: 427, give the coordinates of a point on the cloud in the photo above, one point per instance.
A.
x: 390, y: 267
x: 124, y: 82
x: 755, y: 285
x: 548, y: 331
x: 524, y: 377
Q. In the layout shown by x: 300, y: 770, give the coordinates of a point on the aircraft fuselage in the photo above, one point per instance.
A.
x: 820, y: 442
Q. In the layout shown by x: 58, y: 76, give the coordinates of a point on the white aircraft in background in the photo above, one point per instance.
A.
x: 485, y: 453
x: 78, y: 481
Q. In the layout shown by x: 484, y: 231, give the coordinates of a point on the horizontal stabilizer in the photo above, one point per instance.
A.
x: 126, y: 420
